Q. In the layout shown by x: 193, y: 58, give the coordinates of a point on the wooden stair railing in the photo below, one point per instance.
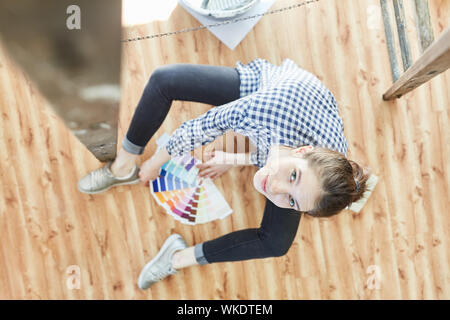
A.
x: 435, y: 57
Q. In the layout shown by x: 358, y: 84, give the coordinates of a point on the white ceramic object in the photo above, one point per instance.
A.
x: 220, y: 9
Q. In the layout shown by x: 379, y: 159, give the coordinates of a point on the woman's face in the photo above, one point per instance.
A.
x: 287, y: 180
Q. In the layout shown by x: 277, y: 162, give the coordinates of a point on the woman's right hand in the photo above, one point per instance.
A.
x: 149, y: 171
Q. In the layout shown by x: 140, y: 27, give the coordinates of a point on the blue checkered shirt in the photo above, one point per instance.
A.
x: 282, y: 105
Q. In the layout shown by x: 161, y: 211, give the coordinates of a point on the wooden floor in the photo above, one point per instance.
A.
x: 401, y: 237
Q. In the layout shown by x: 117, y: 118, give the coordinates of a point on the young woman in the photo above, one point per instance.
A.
x: 297, y: 141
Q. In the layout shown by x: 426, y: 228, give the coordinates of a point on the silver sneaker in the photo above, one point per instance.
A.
x: 102, y: 179
x: 161, y: 266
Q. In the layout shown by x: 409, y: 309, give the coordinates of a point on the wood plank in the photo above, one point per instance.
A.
x: 435, y: 60
x: 423, y: 19
x: 390, y: 42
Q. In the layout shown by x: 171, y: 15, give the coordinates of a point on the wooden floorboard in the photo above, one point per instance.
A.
x: 47, y: 225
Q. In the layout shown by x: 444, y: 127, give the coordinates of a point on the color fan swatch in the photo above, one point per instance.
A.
x: 186, y: 197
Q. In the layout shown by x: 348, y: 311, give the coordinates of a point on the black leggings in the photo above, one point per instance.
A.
x: 212, y: 85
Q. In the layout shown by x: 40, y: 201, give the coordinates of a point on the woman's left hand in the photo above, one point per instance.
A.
x: 215, y: 166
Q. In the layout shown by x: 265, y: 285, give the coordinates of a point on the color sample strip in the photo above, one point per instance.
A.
x: 182, y: 209
x: 182, y: 167
x: 190, y: 164
x: 213, y: 201
x: 169, y: 182
x: 185, y: 208
x: 167, y: 196
x: 202, y: 212
x: 190, y: 204
x: 163, y: 197
x: 189, y: 208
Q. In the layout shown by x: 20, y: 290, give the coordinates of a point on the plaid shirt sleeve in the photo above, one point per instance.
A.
x: 250, y: 76
x: 206, y: 128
